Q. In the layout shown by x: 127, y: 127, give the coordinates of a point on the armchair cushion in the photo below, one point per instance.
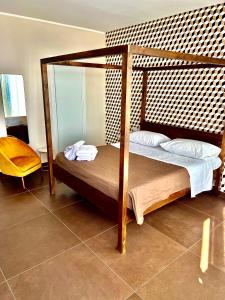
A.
x: 25, y: 162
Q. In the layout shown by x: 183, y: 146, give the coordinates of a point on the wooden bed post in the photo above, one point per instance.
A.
x: 144, y: 95
x: 124, y: 148
x: 44, y: 74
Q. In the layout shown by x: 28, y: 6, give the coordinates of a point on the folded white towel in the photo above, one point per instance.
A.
x: 80, y: 152
x: 87, y: 147
x: 80, y: 158
x: 70, y: 152
x: 86, y: 157
x: 87, y: 152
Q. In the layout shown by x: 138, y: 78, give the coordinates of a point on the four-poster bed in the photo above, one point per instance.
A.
x: 119, y: 209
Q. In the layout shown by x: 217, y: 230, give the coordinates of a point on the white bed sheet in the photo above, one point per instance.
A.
x: 199, y: 170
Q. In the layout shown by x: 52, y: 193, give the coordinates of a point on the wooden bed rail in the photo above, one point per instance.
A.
x: 135, y: 50
x: 127, y: 52
x: 135, y: 68
x: 176, y: 55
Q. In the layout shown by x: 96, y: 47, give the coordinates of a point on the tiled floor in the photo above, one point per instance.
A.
x: 61, y: 247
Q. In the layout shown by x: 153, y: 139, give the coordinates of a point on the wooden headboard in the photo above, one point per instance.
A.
x: 179, y: 132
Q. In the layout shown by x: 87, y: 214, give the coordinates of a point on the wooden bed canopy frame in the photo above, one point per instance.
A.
x: 110, y: 206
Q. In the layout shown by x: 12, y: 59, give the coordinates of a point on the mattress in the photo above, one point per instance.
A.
x: 200, y: 170
x: 150, y: 180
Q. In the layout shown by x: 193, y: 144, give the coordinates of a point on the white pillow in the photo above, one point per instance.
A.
x: 191, y: 148
x: 148, y: 138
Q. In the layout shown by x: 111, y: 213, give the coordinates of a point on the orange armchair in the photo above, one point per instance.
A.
x: 17, y: 158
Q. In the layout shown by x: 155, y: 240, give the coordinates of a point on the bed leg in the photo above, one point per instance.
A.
x: 52, y: 185
x: 122, y: 237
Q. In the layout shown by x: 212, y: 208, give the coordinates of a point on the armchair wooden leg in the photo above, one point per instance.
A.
x: 23, y: 183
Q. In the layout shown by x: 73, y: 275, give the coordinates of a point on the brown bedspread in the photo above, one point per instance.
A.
x: 149, y: 180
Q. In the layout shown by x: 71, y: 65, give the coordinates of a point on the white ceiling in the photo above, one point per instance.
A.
x: 101, y: 15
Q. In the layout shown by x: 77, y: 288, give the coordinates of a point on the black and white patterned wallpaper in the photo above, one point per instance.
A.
x: 185, y: 98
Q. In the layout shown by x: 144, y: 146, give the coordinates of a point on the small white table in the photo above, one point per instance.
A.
x: 43, y: 150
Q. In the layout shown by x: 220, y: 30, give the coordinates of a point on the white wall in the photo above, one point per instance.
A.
x: 24, y: 42
x: 2, y: 119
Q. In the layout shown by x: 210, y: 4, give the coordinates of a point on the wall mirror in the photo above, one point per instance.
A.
x: 13, y: 117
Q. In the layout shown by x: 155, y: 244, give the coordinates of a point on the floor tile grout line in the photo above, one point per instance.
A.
x: 43, y: 262
x: 23, y: 222
x: 3, y: 275
x: 199, y: 240
x: 199, y: 256
x: 52, y: 213
x: 77, y: 236
x: 79, y: 239
x: 14, y: 195
x: 209, y: 263
x: 100, y: 233
x: 132, y: 295
x: 161, y: 270
x: 38, y: 216
x: 7, y: 283
x: 165, y: 235
x: 188, y: 250
x: 193, y: 245
x: 190, y: 247
x: 114, y: 272
x: 48, y: 259
x: 10, y: 289
x: 83, y: 242
x: 134, y: 290
x: 67, y: 250
x: 217, y: 225
x: 177, y: 257
x: 67, y: 205
x: 198, y: 210
x: 38, y: 187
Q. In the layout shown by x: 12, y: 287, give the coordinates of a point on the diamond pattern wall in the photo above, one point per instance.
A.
x: 186, y: 98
